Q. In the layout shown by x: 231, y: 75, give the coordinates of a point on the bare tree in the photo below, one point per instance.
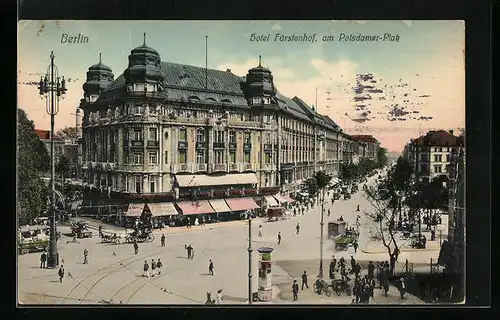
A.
x: 381, y: 226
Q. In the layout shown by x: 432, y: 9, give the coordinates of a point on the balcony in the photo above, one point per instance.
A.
x: 181, y: 167
x: 267, y: 166
x: 219, y: 145
x: 182, y: 145
x: 232, y: 146
x: 234, y: 167
x: 201, y: 167
x: 244, y: 124
x: 201, y: 145
x: 268, y: 147
x: 153, y: 144
x: 247, y: 146
x: 248, y: 167
x: 219, y: 167
x: 137, y: 143
x: 184, y: 120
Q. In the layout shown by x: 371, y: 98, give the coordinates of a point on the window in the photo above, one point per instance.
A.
x: 448, y: 158
x: 128, y: 185
x: 200, y: 156
x: 138, y: 109
x: 423, y: 157
x: 437, y: 158
x: 246, y: 156
x: 437, y: 169
x: 232, y: 156
x: 138, y: 87
x: 182, y: 156
x: 266, y: 100
x: 183, y: 134
x: 152, y: 109
x: 256, y: 100
x: 439, y: 149
x: 138, y: 158
x: 247, y: 138
x: 152, y: 184
x: 138, y: 134
x: 153, y: 158
x: 267, y: 158
x: 219, y: 156
x: 153, y: 134
x: 200, y: 135
x: 232, y: 137
x: 267, y: 138
x: 219, y: 136
x: 138, y: 184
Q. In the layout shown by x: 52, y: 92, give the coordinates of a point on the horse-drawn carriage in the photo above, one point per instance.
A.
x: 112, y: 237
x: 337, y: 285
x: 344, y: 240
x: 275, y: 213
x: 140, y: 235
x: 79, y: 229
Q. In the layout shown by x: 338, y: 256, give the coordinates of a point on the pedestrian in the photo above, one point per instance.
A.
x: 297, y: 228
x: 218, y: 297
x: 162, y: 240
x: 295, y: 290
x: 146, y: 269
x: 136, y: 247
x: 328, y: 213
x: 304, y: 281
x: 433, y: 234
x: 357, y: 209
x: 43, y: 260
x: 371, y: 268
x: 294, y: 212
x: 353, y: 263
x: 85, y: 256
x: 153, y: 267
x: 100, y: 231
x: 260, y: 231
x: 158, y: 266
x: 61, y: 273
x: 402, y: 287
x: 279, y: 237
x: 355, y: 246
x: 211, y: 268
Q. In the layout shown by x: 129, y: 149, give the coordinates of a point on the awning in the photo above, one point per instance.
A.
x: 271, y: 201
x: 287, y: 199
x: 334, y: 181
x: 240, y: 204
x: 162, y: 209
x: 135, y: 210
x: 219, y: 205
x: 199, y: 180
x: 195, y: 207
x: 279, y: 198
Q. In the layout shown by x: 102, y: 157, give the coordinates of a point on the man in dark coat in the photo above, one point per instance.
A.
x: 279, y: 237
x: 61, y: 273
x: 295, y: 290
x: 136, y: 247
x: 332, y: 269
x: 371, y: 269
x: 162, y: 240
x: 353, y: 264
x: 355, y: 246
x: 211, y: 268
x: 304, y: 281
x: 43, y: 260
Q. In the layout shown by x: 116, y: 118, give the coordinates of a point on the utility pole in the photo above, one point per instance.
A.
x: 52, y: 88
x: 250, y: 261
x: 321, y: 236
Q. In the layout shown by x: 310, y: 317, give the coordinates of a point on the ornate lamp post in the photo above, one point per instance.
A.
x: 250, y: 298
x: 53, y: 88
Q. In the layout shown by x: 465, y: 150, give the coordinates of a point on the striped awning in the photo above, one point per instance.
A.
x: 195, y: 207
x: 162, y: 209
x: 219, y: 205
x: 280, y: 198
x: 271, y: 201
x: 287, y: 198
x: 135, y: 210
x: 241, y: 204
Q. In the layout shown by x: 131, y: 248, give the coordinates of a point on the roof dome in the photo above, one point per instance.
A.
x: 99, y: 77
x: 259, y: 81
x: 100, y: 66
x: 144, y: 65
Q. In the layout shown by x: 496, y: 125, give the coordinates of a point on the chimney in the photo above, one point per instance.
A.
x: 451, y: 132
x: 228, y: 70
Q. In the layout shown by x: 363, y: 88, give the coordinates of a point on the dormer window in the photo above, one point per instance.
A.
x: 256, y: 100
x: 138, y: 87
x: 266, y: 100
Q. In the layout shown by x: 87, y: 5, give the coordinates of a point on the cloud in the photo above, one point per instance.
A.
x: 276, y: 27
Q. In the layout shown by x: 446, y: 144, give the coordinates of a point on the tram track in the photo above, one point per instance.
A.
x: 115, y: 269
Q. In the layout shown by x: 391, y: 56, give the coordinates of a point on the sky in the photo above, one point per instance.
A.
x: 394, y: 90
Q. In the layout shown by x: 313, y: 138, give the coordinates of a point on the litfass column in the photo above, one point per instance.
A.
x: 265, y: 291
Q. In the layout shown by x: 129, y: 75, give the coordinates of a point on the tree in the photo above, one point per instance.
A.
x: 66, y: 133
x: 317, y: 183
x: 382, y: 226
x: 62, y: 167
x: 382, y: 159
x: 33, y: 159
x: 347, y: 172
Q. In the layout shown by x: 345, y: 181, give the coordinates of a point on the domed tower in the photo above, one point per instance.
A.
x: 99, y: 77
x: 144, y: 71
x: 260, y: 86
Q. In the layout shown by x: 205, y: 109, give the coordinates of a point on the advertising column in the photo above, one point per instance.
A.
x: 265, y: 285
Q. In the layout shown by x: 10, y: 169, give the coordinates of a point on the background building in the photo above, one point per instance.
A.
x: 430, y: 154
x: 369, y: 146
x: 164, y: 132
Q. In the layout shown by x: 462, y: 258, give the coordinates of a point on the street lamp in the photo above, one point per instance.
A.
x: 250, y: 260
x: 53, y: 88
x: 321, y: 236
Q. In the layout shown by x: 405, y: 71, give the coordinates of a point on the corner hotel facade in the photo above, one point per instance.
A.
x: 173, y: 138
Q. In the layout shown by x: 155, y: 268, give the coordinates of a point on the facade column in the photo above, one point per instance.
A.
x: 210, y: 148
x: 315, y: 153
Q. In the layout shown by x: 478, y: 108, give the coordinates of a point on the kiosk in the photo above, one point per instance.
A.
x: 265, y: 286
